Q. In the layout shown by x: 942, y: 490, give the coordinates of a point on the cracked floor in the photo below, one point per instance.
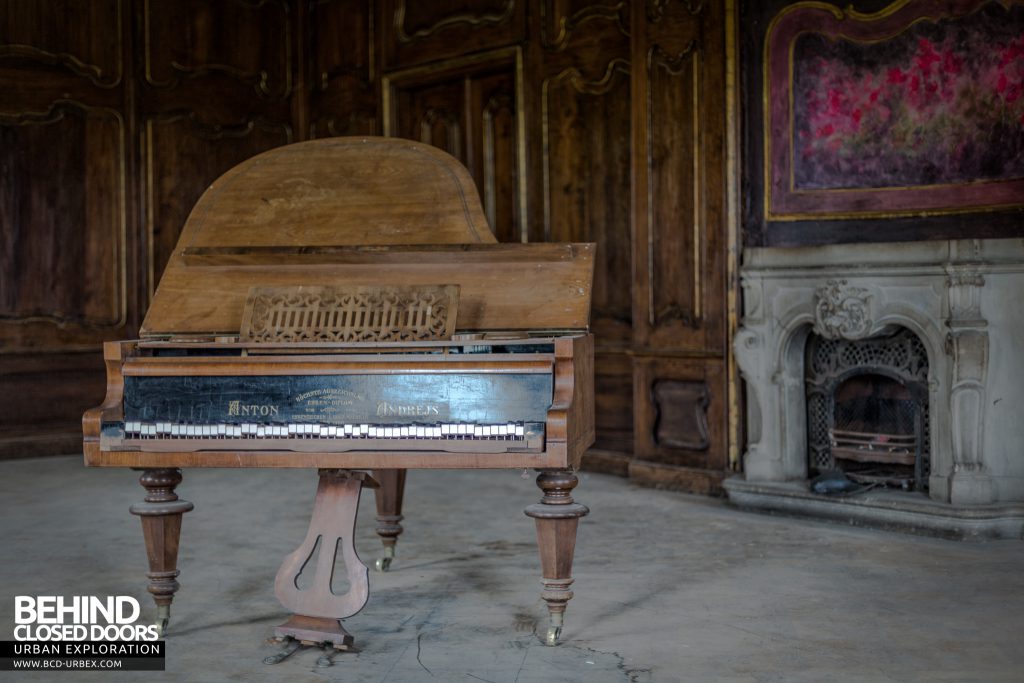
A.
x: 668, y: 587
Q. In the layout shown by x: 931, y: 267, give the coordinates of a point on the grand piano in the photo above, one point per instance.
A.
x: 341, y: 304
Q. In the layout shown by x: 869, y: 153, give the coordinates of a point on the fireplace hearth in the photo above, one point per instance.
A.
x: 898, y: 364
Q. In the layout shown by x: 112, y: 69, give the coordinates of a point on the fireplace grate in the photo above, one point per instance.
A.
x: 867, y: 408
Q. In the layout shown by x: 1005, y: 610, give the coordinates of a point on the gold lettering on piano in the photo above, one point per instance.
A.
x: 426, y: 409
x: 251, y: 409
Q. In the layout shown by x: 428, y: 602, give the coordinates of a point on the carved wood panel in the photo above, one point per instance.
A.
x: 182, y: 157
x: 680, y: 414
x: 62, y: 166
x: 586, y: 159
x: 238, y: 44
x: 679, y: 134
x: 343, y: 55
x: 468, y: 108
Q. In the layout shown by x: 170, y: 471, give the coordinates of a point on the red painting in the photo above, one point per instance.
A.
x: 914, y: 110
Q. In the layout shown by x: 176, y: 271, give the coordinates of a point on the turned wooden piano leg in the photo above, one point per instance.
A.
x: 557, y: 517
x: 389, y: 512
x: 161, y: 525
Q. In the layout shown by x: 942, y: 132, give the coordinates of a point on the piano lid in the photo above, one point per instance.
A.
x: 361, y: 211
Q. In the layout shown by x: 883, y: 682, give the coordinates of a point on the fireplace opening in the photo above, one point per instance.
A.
x: 867, y: 409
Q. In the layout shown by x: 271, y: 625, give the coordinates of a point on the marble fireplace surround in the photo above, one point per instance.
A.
x: 965, y: 300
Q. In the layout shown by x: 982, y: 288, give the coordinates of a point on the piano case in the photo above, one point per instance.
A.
x: 341, y: 304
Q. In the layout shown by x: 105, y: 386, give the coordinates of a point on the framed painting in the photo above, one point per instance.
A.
x: 916, y: 109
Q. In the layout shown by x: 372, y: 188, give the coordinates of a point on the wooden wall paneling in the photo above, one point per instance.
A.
x: 419, y: 32
x: 67, y: 244
x: 469, y: 108
x: 343, y: 55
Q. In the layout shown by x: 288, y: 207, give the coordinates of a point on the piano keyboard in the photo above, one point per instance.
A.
x: 510, y: 431
x: 313, y: 437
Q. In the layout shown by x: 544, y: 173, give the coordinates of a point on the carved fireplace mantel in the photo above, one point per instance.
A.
x: 963, y: 299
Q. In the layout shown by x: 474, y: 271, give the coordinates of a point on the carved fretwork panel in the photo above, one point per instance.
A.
x: 586, y: 164
x: 242, y: 46
x: 82, y: 38
x: 60, y: 168
x: 468, y: 108
x: 182, y: 157
x: 343, y: 99
x: 418, y: 32
x: 680, y: 412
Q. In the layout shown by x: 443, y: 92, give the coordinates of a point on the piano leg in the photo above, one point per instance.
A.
x: 557, y: 517
x: 389, y: 512
x: 161, y: 525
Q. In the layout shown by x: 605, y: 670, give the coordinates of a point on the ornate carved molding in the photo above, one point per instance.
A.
x: 93, y: 72
x: 258, y: 79
x: 474, y: 20
x: 656, y: 8
x: 618, y: 12
x: 842, y: 311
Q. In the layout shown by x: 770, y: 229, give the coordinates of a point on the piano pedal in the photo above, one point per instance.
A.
x: 326, y: 659
x: 383, y: 564
x: 291, y: 646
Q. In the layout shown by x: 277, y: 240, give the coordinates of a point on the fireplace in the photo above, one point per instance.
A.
x: 899, y: 364
x: 867, y: 409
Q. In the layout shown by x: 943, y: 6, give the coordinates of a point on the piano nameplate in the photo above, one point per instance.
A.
x: 338, y: 399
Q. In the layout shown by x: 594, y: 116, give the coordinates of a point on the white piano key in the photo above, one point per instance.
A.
x: 488, y: 429
x: 511, y: 428
x: 151, y: 429
x: 261, y: 432
x: 291, y: 428
x: 502, y: 430
x: 420, y: 431
x: 348, y: 430
x: 520, y: 431
x: 435, y: 432
x: 222, y: 429
x: 446, y: 429
x: 404, y: 432
x: 314, y: 429
x: 174, y: 430
x: 370, y: 431
x: 478, y: 430
x: 364, y: 430
x: 389, y: 432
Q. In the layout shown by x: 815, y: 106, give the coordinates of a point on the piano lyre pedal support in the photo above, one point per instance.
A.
x: 317, y: 610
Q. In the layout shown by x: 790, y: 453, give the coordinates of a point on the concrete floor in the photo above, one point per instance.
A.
x: 669, y: 587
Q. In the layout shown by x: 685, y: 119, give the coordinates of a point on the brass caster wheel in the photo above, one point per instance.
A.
x: 163, y: 618
x: 551, y: 638
x: 383, y: 564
